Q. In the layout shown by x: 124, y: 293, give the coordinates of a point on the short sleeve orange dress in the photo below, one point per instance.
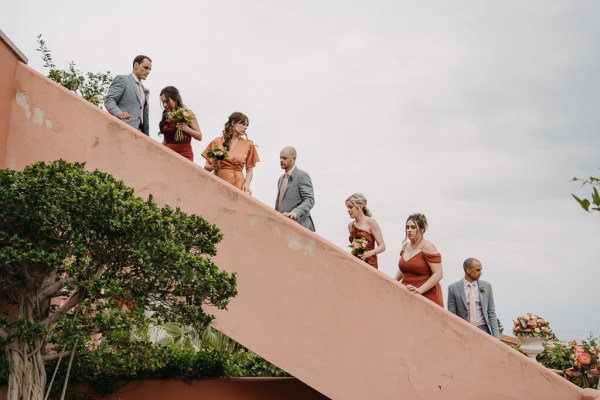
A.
x: 356, y: 233
x: 416, y: 272
x: 242, y: 155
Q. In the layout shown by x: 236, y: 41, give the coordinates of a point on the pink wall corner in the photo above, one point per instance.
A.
x: 309, y: 307
x: 9, y: 58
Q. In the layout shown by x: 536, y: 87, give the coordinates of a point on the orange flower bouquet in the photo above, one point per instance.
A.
x: 358, y: 246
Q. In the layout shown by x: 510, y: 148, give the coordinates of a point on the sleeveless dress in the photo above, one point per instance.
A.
x: 357, y: 233
x: 416, y: 272
x: 168, y: 129
x: 242, y: 155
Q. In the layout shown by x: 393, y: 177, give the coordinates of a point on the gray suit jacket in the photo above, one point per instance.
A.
x: 123, y: 96
x: 457, y: 304
x: 298, y: 197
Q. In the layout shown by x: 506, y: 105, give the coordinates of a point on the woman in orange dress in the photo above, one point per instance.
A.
x: 171, y: 99
x: 240, y: 153
x: 365, y: 227
x: 420, y: 265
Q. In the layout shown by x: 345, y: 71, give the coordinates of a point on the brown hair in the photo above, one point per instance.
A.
x: 140, y: 59
x: 236, y: 117
x: 421, y: 221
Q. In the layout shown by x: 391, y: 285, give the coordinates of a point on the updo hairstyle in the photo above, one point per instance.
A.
x: 420, y: 220
x: 360, y: 201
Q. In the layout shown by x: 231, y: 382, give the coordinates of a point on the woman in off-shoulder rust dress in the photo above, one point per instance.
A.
x: 364, y: 230
x: 240, y: 153
x: 420, y: 265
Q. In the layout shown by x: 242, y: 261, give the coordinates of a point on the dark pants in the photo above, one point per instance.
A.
x: 485, y: 329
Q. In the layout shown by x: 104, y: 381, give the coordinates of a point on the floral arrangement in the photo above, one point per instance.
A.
x: 533, y: 326
x: 180, y: 114
x: 573, y: 359
x: 217, y: 153
x: 358, y: 246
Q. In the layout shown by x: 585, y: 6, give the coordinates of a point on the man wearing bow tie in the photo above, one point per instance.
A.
x: 295, y: 195
x: 127, y: 98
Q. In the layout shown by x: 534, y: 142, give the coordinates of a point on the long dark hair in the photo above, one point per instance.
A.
x: 171, y: 93
x: 236, y: 117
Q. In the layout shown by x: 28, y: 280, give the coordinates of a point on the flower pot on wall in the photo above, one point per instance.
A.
x: 531, y: 345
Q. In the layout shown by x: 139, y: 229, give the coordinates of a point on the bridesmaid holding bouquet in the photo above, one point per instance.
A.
x: 240, y: 153
x: 178, y: 124
x: 364, y: 231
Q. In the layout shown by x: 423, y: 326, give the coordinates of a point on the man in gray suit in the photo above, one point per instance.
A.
x: 127, y: 98
x: 472, y: 299
x: 295, y: 196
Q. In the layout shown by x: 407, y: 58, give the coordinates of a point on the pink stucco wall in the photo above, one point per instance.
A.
x: 10, y: 57
x: 343, y: 328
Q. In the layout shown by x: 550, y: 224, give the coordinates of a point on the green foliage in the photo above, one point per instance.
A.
x: 573, y: 360
x: 556, y: 356
x: 109, y: 366
x: 65, y: 231
x: 247, y: 363
x: 91, y: 86
x: 241, y: 361
x: 217, y: 340
x: 593, y: 203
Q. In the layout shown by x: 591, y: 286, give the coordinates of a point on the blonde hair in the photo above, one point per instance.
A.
x: 360, y: 201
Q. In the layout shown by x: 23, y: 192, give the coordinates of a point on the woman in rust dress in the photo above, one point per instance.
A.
x: 420, y: 265
x: 240, y: 153
x: 365, y: 227
x: 171, y: 99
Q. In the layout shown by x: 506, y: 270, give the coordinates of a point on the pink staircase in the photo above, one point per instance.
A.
x: 341, y: 327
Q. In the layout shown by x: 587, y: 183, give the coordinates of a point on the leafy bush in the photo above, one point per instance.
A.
x: 106, y: 368
x: 573, y: 359
x: 91, y: 86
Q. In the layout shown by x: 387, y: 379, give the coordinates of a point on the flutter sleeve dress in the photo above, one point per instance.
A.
x: 416, y: 272
x: 242, y: 155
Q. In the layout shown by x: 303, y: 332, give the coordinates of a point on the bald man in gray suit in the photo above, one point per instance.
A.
x: 472, y: 299
x: 295, y: 195
x: 127, y: 98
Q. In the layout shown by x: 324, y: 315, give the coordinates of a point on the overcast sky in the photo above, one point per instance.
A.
x: 476, y: 113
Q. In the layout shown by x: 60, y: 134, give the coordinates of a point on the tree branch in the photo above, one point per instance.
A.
x: 72, y: 302
x: 55, y: 287
x: 54, y: 356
